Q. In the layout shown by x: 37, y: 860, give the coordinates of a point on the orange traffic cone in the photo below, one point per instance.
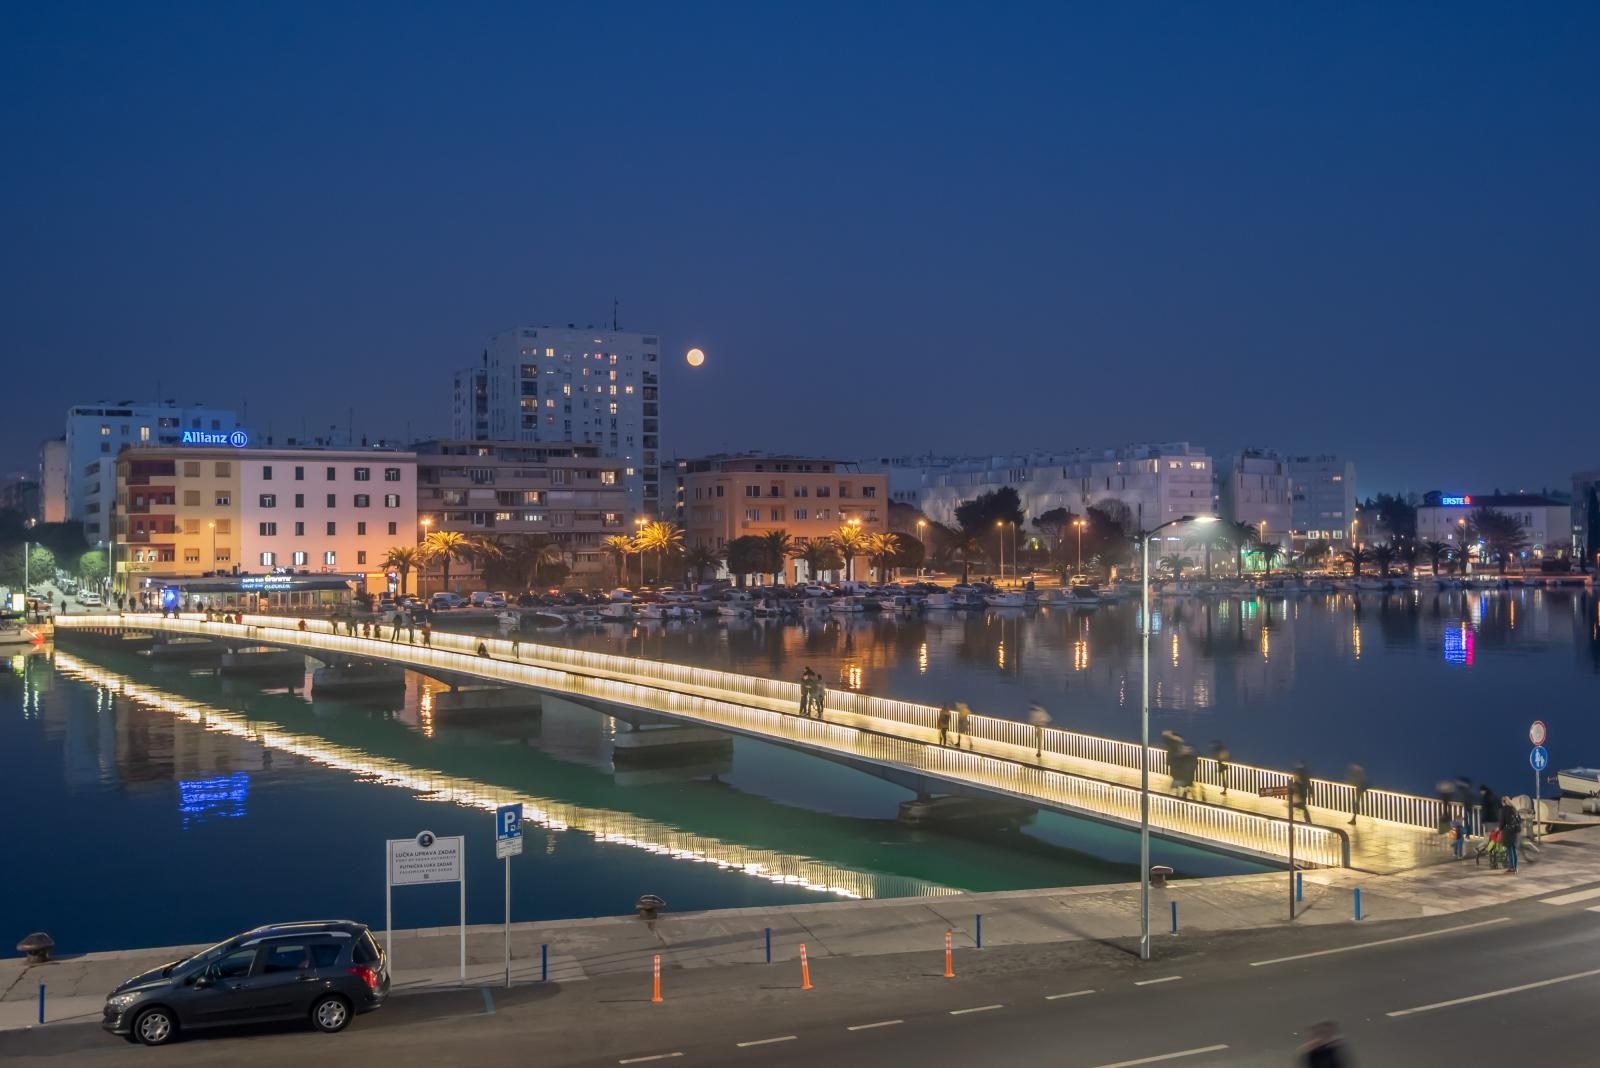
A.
x: 805, y: 969
x: 949, y: 960
x: 655, y: 977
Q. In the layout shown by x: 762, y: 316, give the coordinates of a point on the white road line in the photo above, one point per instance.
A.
x: 767, y: 1041
x: 1379, y: 942
x: 1074, y: 994
x: 1166, y: 1057
x: 1571, y: 899
x: 652, y: 1057
x: 870, y: 1026
x: 1593, y: 908
x: 980, y: 1008
x: 1494, y: 993
x: 1163, y: 979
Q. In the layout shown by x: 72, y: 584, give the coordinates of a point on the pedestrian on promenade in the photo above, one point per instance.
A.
x: 394, y: 634
x: 1220, y: 754
x: 1302, y: 789
x: 1510, y: 832
x: 963, y: 724
x: 806, y: 678
x: 1040, y: 720
x: 516, y: 644
x: 1172, y: 742
x: 1458, y: 834
x: 301, y: 626
x: 411, y: 628
x: 483, y: 650
x: 1488, y: 807
x: 944, y: 724
x: 1183, y: 769
x: 818, y: 695
x: 1324, y: 1049
x: 427, y: 634
x: 1446, y: 792
x: 1356, y: 776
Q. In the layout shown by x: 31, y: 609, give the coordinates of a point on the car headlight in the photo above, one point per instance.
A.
x: 122, y: 1001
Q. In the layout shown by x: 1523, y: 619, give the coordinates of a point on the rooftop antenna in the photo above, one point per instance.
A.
x: 613, y: 315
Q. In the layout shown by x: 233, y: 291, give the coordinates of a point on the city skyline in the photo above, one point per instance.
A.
x: 1238, y: 231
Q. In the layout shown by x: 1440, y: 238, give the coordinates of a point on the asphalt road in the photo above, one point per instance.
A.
x: 1482, y: 987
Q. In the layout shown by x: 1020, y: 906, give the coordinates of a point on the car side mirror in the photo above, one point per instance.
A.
x: 206, y: 978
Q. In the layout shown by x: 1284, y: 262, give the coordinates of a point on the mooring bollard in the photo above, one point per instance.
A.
x: 1358, y: 902
x: 949, y: 959
x: 1174, y: 917
x: 769, y: 945
x: 805, y: 969
x: 980, y: 930
x: 1299, y: 886
x: 655, y: 977
x: 544, y: 962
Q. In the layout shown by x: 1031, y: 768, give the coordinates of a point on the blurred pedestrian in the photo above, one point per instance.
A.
x: 1183, y: 769
x: 1220, y: 754
x: 1302, y: 789
x: 1446, y: 792
x: 944, y: 724
x: 516, y: 644
x: 483, y: 650
x: 819, y: 694
x: 427, y: 634
x: 1510, y: 832
x: 1356, y: 776
x: 1325, y: 1048
x: 1040, y: 720
x: 963, y: 724
x: 806, y: 678
x: 411, y: 628
x: 1488, y: 807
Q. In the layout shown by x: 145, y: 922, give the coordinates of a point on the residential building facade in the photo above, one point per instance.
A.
x: 808, y: 497
x: 1254, y: 487
x: 53, y: 481
x: 1585, y: 540
x: 567, y: 492
x: 538, y: 384
x: 97, y: 433
x: 1322, y: 497
x: 1545, y: 521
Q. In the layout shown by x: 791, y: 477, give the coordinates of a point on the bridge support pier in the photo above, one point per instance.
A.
x: 344, y: 679
x: 964, y: 812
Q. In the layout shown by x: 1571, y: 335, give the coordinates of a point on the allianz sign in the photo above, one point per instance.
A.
x: 238, y: 438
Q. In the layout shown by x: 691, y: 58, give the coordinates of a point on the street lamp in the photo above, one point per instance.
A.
x: 1144, y: 736
x: 1080, y: 524
x: 923, y: 541
x: 639, y: 522
x: 213, y: 526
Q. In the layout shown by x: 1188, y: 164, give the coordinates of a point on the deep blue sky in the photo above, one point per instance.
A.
x: 1351, y: 227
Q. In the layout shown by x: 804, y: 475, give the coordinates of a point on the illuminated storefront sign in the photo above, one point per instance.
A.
x: 266, y: 582
x: 1455, y: 500
x: 238, y: 438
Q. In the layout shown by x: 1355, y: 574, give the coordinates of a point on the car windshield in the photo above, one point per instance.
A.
x: 202, y: 957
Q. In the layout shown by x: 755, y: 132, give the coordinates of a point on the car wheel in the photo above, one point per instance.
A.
x: 330, y: 1014
x: 155, y: 1027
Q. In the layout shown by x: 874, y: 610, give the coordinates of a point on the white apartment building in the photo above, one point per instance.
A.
x: 578, y: 385
x: 1254, y: 487
x: 1157, y: 482
x: 96, y: 433
x: 1545, y: 521
x: 1323, y: 497
x: 53, y: 481
x: 1584, y: 540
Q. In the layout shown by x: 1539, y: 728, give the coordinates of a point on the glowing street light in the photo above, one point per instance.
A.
x: 1080, y: 524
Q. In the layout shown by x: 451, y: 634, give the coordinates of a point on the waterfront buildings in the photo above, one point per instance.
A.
x: 809, y: 497
x: 1154, y: 482
x: 1546, y: 522
x: 1254, y: 487
x: 192, y: 511
x: 1585, y: 537
x: 568, y: 492
x: 20, y: 494
x: 53, y: 481
x: 96, y: 433
x: 1322, y: 497
x: 538, y: 384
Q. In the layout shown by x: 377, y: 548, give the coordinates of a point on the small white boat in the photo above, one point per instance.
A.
x: 13, y: 633
x: 847, y: 604
x: 734, y: 610
x: 1579, y: 782
x: 616, y: 611
x: 650, y: 611
x: 937, y: 600
x: 1006, y: 599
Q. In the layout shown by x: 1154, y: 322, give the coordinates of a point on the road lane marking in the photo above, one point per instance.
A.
x: 488, y: 1002
x: 652, y: 1057
x: 1152, y: 982
x: 1380, y: 942
x: 870, y: 1026
x: 766, y: 1041
x: 1074, y: 994
x: 1571, y: 899
x: 1593, y: 908
x: 1166, y: 1057
x: 980, y: 1008
x: 1494, y: 993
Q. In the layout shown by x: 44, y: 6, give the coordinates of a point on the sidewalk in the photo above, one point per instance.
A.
x: 428, y: 958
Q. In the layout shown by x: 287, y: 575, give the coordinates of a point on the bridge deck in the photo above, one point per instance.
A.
x: 1071, y: 772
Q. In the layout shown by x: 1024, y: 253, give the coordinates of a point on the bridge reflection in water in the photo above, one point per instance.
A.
x: 604, y: 825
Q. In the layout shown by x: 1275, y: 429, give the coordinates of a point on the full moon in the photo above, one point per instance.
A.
x: 695, y: 357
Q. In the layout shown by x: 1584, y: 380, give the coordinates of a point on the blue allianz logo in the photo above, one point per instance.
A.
x: 238, y: 439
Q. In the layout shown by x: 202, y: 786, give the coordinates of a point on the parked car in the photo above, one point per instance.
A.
x: 89, y: 599
x: 324, y: 972
x: 446, y: 601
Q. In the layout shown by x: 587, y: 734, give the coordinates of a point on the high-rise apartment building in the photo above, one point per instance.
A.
x: 584, y: 386
x: 1254, y: 487
x: 1322, y: 497
x: 96, y: 433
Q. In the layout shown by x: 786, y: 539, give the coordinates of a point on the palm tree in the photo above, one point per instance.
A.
x: 1357, y: 556
x: 881, y: 547
x: 1176, y: 564
x: 619, y: 547
x: 1242, y: 536
x: 697, y: 560
x: 1383, y: 555
x: 778, y: 546
x: 446, y: 547
x: 966, y: 545
x: 402, y: 558
x: 1437, y: 551
x: 1269, y: 552
x: 1314, y: 551
x: 1215, y: 539
x: 524, y: 556
x: 663, y: 539
x: 819, y: 555
x: 847, y: 539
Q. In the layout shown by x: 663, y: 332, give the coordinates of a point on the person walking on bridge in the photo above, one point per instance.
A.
x: 944, y: 724
x: 427, y: 634
x: 1356, y: 776
x: 963, y: 725
x: 1302, y: 789
x: 808, y: 680
x: 1220, y: 754
x: 1040, y: 720
x: 818, y: 695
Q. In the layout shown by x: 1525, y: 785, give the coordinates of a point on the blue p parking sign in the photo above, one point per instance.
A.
x: 508, y: 830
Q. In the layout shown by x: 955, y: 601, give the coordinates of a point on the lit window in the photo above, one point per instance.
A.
x: 391, y: 500
x: 361, y: 556
x: 268, y: 559
x: 300, y: 559
x: 330, y: 558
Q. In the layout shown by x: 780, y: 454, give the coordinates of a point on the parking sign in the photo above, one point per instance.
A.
x: 508, y: 831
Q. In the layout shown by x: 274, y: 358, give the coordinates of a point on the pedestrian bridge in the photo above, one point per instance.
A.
x: 1061, y: 770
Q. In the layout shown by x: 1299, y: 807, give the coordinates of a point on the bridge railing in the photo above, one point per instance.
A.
x: 1249, y: 832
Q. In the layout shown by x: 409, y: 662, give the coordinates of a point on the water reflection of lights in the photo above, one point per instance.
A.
x: 425, y: 710
x: 604, y: 825
x: 1000, y: 655
x: 922, y: 659
x: 852, y: 676
x: 1080, y: 655
x: 1174, y: 648
x: 1266, y: 644
x: 1355, y: 640
x: 222, y: 796
x: 1459, y: 643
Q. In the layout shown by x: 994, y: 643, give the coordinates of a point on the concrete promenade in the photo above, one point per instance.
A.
x: 427, y: 959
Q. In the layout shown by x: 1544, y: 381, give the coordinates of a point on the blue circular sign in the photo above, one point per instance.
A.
x: 238, y: 439
x: 1539, y: 758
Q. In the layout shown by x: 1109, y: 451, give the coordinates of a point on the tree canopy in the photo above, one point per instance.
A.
x: 980, y: 514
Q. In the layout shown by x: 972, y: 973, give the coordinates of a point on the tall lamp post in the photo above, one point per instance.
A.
x: 1144, y: 733
x: 1080, y: 524
x: 922, y: 539
x: 638, y: 528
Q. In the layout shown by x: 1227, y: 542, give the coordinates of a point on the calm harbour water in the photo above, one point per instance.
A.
x: 176, y: 807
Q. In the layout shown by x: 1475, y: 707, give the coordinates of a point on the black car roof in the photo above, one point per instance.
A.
x: 304, y: 927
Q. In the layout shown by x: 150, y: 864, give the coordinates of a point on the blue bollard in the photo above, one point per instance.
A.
x: 41, y: 1003
x: 980, y: 930
x: 1299, y: 886
x: 769, y: 945
x: 544, y: 962
x: 1174, y: 917
x: 1358, y: 902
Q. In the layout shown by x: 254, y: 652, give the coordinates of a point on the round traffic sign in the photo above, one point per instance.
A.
x: 1537, y: 732
x: 1539, y: 758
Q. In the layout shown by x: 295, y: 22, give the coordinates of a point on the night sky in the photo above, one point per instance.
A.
x: 1358, y: 228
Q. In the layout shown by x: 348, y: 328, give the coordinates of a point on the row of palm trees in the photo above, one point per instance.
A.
x: 520, y: 559
x: 753, y: 554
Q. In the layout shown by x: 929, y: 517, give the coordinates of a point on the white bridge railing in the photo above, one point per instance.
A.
x: 764, y: 708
